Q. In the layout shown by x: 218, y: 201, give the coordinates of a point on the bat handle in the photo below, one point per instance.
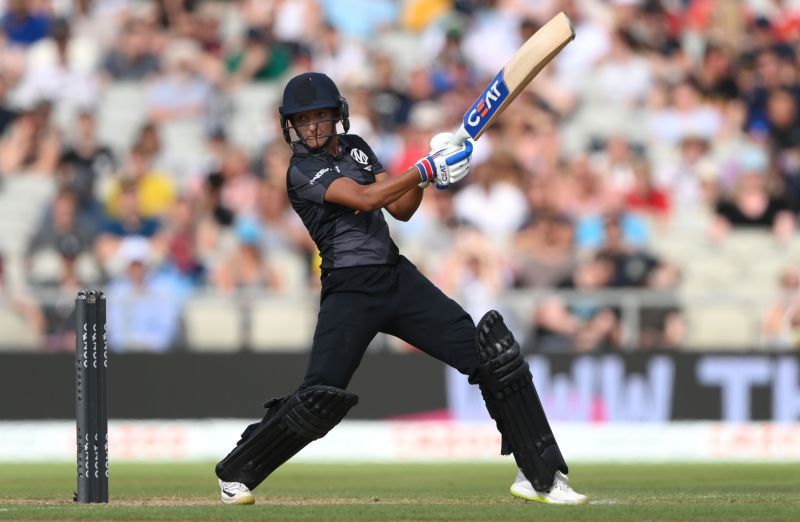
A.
x: 460, y: 136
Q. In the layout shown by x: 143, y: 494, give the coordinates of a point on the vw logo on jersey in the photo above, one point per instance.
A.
x: 360, y: 156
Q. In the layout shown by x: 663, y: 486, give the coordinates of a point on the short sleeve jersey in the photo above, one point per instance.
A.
x: 345, y: 237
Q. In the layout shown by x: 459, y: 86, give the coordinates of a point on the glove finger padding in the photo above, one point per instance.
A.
x: 459, y: 172
x: 464, y: 152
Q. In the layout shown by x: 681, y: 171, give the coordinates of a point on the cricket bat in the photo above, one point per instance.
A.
x: 515, y: 76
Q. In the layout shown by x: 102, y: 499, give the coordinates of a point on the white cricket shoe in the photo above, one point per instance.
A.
x: 235, y: 493
x: 560, y: 493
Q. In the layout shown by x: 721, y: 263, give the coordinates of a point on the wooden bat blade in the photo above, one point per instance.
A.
x: 518, y: 72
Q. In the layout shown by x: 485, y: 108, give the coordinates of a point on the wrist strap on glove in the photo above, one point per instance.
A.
x: 426, y: 168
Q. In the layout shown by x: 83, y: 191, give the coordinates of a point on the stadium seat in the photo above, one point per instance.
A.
x: 293, y: 269
x: 744, y: 244
x: 282, y: 324
x: 711, y: 272
x: 213, y: 324
x: 721, y: 325
x: 17, y: 334
x: 122, y: 111
x: 252, y: 112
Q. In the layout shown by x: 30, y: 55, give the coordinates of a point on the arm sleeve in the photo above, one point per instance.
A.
x: 312, y: 185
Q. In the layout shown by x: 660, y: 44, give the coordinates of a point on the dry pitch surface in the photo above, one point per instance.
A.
x: 382, y: 492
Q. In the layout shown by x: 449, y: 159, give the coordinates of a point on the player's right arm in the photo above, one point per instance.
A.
x: 368, y: 198
x: 443, y: 164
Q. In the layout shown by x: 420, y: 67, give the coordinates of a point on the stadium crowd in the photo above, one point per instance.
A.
x: 663, y: 119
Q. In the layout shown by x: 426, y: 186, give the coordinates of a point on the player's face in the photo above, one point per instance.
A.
x: 315, y: 126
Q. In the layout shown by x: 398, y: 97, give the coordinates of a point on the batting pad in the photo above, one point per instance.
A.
x: 507, y: 387
x: 288, y: 426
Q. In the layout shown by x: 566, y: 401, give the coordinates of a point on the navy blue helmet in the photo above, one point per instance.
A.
x: 309, y: 91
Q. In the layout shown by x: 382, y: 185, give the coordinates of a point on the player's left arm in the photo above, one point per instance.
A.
x: 405, y: 206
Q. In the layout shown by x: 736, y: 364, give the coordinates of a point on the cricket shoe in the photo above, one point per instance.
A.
x: 560, y: 492
x: 235, y: 493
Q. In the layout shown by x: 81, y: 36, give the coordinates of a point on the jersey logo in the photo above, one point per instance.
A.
x: 320, y: 173
x: 360, y: 156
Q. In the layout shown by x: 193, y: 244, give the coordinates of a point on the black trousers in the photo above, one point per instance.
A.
x: 358, y: 303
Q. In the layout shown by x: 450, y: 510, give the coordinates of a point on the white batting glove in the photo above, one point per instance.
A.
x: 445, y: 164
x: 439, y: 141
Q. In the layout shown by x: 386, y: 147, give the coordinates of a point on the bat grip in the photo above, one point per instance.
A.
x: 460, y: 136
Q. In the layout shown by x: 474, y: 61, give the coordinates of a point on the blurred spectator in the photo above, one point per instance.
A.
x: 296, y: 22
x: 32, y: 143
x: 148, y: 141
x: 132, y: 58
x: 181, y: 93
x: 260, y: 58
x: 7, y: 114
x: 576, y: 62
x: 766, y: 76
x: 390, y: 104
x: 20, y: 304
x: 179, y: 239
x: 544, y: 250
x: 373, y: 15
x: 59, y: 306
x: 491, y: 38
x: 127, y: 221
x: 155, y: 191
x: 337, y: 56
x: 780, y: 324
x: 752, y: 204
x: 474, y: 273
x: 580, y: 191
x: 661, y: 325
x: 175, y: 15
x: 691, y: 180
x: 686, y: 114
x: 61, y: 68
x: 61, y: 229
x: 784, y: 134
x: 25, y: 22
x: 429, y: 237
x: 614, y: 163
x: 425, y: 120
x: 633, y: 266
x: 716, y: 77
x: 144, y: 305
x: 281, y: 228
x: 582, y: 324
x: 215, y: 236
x: 84, y: 161
x: 451, y: 70
x: 644, y: 196
x: 605, y: 94
x: 247, y: 268
x: 240, y: 187
x: 493, y: 201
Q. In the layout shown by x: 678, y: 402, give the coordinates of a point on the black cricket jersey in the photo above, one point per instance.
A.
x: 345, y: 238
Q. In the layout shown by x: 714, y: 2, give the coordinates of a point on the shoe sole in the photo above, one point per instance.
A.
x: 244, y: 501
x: 544, y: 500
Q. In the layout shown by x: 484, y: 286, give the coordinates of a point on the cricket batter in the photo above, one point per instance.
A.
x: 339, y: 188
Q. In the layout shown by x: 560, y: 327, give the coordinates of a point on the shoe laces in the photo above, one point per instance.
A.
x: 562, y: 484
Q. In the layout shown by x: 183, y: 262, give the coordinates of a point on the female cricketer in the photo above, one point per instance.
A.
x: 339, y: 189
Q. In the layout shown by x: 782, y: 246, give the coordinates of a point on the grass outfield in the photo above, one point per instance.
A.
x: 383, y: 492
